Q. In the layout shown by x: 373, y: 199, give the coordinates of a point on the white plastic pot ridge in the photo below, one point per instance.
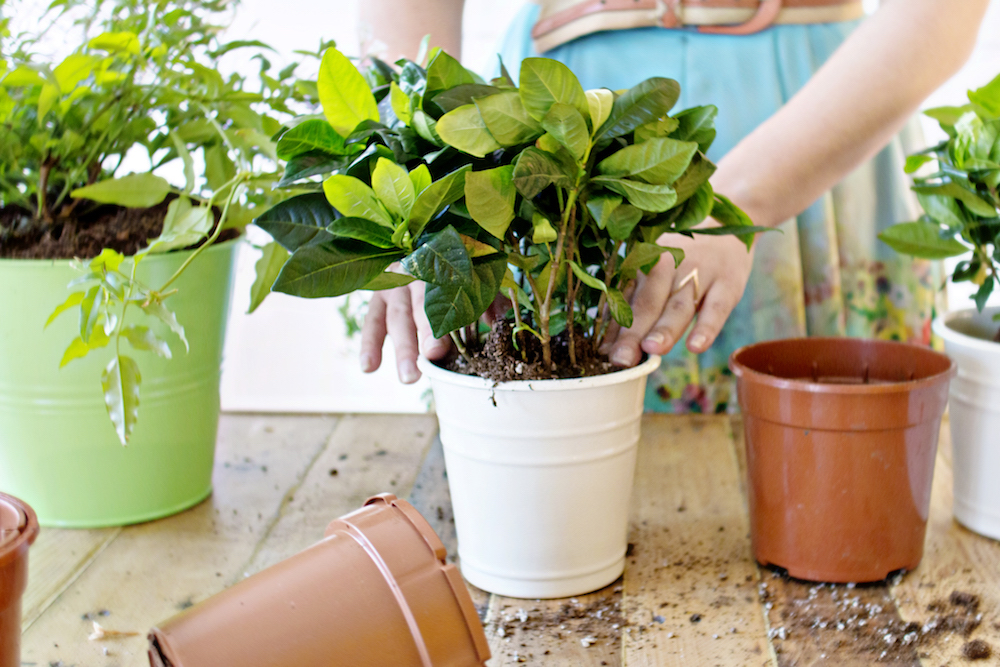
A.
x: 541, y: 477
x: 974, y: 407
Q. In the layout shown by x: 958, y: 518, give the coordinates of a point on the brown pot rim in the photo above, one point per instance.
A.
x: 743, y: 371
x: 11, y: 550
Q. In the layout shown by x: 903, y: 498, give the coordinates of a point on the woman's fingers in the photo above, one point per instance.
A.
x: 373, y: 335
x: 403, y: 331
x: 651, y: 293
x: 433, y: 348
x: 715, y: 310
x: 675, y: 318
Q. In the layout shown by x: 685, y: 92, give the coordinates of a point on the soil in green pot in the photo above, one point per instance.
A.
x: 126, y: 230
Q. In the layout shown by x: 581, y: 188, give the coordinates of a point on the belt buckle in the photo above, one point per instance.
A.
x: 766, y: 14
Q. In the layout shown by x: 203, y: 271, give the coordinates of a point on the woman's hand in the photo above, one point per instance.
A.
x: 708, y: 284
x: 399, y: 313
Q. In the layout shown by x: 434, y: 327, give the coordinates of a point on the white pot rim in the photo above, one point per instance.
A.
x: 941, y: 327
x: 439, y: 374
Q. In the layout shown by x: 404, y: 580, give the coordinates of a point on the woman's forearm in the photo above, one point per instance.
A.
x: 400, y: 25
x: 851, y: 108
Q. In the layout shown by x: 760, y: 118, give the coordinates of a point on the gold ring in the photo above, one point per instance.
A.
x: 689, y: 278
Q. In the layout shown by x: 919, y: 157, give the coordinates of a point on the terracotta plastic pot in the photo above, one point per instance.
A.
x: 841, y: 436
x: 975, y: 417
x: 375, y: 592
x: 18, y: 530
x: 541, y: 474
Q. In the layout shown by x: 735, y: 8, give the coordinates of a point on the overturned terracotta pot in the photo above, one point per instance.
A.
x: 18, y: 530
x: 376, y: 591
x: 841, y: 437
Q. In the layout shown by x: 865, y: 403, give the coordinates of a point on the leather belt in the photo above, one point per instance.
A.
x: 563, y: 20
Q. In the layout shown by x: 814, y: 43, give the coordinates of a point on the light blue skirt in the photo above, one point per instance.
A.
x: 827, y: 273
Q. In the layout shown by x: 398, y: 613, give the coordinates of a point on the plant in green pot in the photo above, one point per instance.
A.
x: 546, y: 194
x: 958, y: 190
x: 156, y: 258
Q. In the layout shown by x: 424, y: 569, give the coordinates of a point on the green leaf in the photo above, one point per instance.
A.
x: 298, y: 221
x: 361, y: 229
x: 600, y: 101
x: 542, y: 229
x: 400, y: 103
x: 426, y: 127
x: 568, y: 127
x: 646, y: 196
x: 46, y: 100
x: 155, y: 308
x: 76, y: 350
x: 697, y: 124
x: 444, y: 72
x: 461, y: 95
x: 641, y: 104
x: 73, y: 70
x: 536, y: 170
x: 442, y: 260
x: 116, y: 42
x: 120, y: 381
x: 697, y: 174
x: 311, y: 135
x: 601, y: 207
x: 90, y: 312
x: 915, y: 162
x: 658, y: 161
x: 388, y: 280
x: 490, y: 197
x: 435, y: 198
x: 731, y: 215
x: 393, y: 187
x: 332, y: 268
x: 983, y: 293
x: 621, y: 311
x: 696, y: 208
x: 142, y: 338
x: 421, y: 178
x: 921, y: 239
x: 344, y: 94
x: 132, y: 191
x: 450, y: 307
x: 643, y: 256
x: 943, y: 209
x: 23, y: 76
x: 507, y: 120
x: 352, y: 197
x: 948, y: 116
x: 660, y: 127
x: 586, y: 278
x: 465, y: 129
x: 183, y: 226
x: 185, y: 155
x: 972, y: 201
x: 545, y: 82
x: 622, y: 220
x: 988, y: 98
x: 71, y: 301
x: 266, y: 269
x: 311, y: 164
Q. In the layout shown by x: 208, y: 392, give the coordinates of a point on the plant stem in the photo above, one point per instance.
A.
x: 602, y: 304
x: 571, y: 289
x: 517, y: 321
x: 461, y: 348
x: 556, y: 265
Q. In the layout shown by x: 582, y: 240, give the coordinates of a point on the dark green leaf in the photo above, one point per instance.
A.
x: 697, y: 174
x: 444, y: 72
x: 658, y: 161
x: 622, y: 221
x: 461, y: 95
x: 921, y: 239
x: 646, y: 196
x: 450, y: 307
x: 697, y: 124
x: 507, y: 120
x: 311, y: 164
x: 731, y: 215
x: 641, y: 104
x: 983, y: 294
x: 537, y: 169
x: 586, y: 278
x: 621, y: 311
x: 435, y: 198
x: 972, y: 201
x: 332, y: 268
x: 312, y: 135
x: 943, y: 209
x: 298, y: 221
x: 643, y: 256
x: 442, y: 260
x: 568, y: 127
x: 360, y: 229
x: 388, y: 280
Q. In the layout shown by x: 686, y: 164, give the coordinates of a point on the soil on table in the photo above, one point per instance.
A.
x: 497, y: 359
x: 126, y: 230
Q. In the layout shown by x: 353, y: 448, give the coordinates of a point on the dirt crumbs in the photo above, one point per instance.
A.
x: 596, y: 623
x: 497, y: 359
x: 861, y: 622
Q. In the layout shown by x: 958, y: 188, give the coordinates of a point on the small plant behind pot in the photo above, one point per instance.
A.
x: 961, y: 218
x: 547, y: 194
x: 144, y: 78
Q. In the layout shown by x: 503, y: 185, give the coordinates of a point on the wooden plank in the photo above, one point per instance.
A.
x: 956, y: 561
x: 152, y: 570
x: 367, y: 455
x: 57, y: 558
x: 690, y: 583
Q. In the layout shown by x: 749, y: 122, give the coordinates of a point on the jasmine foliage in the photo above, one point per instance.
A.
x: 960, y: 194
x: 551, y: 195
x: 145, y: 78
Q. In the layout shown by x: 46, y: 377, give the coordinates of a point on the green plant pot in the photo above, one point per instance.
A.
x: 58, y: 449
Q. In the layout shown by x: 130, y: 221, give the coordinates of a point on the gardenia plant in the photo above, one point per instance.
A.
x: 960, y: 198
x: 547, y: 194
x: 145, y: 77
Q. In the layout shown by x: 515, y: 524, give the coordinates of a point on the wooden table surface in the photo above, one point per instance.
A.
x: 691, y: 593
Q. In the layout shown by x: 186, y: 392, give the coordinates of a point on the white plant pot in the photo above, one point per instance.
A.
x: 541, y: 477
x: 975, y: 417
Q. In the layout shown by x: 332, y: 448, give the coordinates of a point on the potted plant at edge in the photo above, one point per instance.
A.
x: 547, y: 194
x: 962, y: 218
x: 144, y: 78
